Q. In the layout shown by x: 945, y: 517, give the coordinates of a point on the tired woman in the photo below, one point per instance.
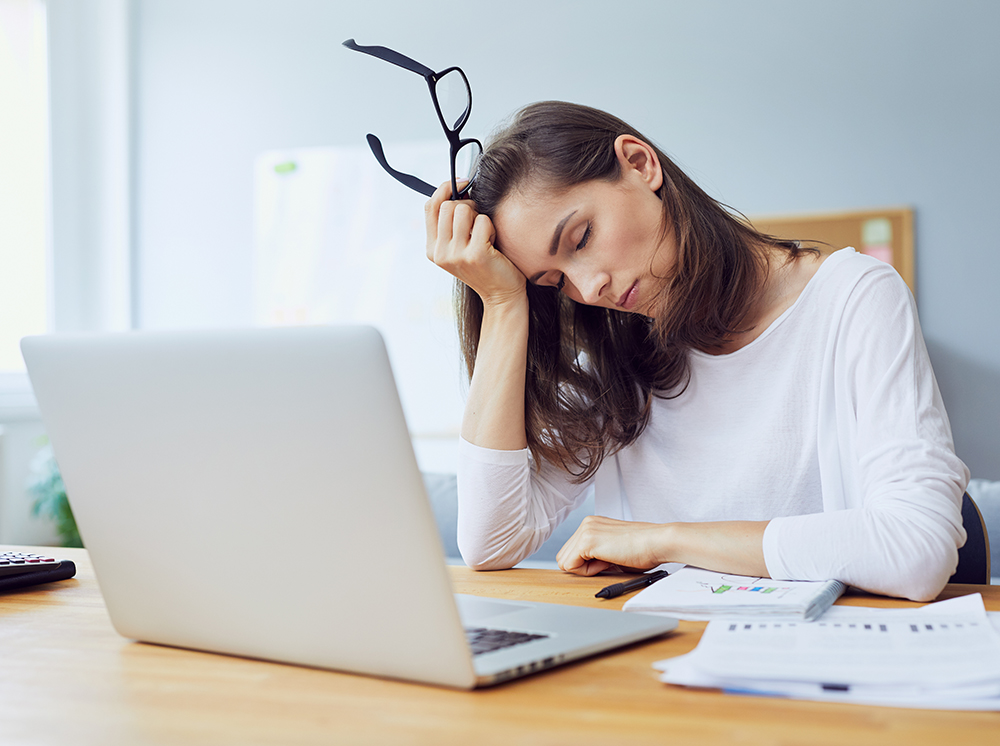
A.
x: 743, y: 403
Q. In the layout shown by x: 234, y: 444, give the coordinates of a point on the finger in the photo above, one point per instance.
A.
x: 455, y: 219
x: 464, y: 216
x: 433, y: 206
x: 564, y: 553
x: 593, y: 567
x: 634, y: 570
x: 589, y: 567
x: 569, y: 557
x: 445, y: 223
x: 579, y: 554
x: 482, y: 230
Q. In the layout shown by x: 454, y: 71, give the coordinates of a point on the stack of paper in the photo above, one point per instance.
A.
x: 943, y: 656
x: 698, y: 595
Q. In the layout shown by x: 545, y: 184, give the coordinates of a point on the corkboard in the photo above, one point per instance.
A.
x: 885, y: 234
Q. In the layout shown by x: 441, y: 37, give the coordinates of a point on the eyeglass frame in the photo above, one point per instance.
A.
x: 455, y: 142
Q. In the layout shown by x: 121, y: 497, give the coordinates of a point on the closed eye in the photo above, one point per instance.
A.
x: 583, y: 242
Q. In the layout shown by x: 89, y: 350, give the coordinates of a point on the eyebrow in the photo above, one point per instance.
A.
x: 554, y: 246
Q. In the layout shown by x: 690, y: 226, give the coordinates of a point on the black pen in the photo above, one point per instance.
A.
x: 631, y: 585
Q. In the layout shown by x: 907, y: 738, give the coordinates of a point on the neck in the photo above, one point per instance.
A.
x: 786, y: 278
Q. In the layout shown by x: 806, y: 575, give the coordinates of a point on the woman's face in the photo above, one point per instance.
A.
x: 602, y: 243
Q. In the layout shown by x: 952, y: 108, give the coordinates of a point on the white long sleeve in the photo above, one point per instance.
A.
x: 892, y: 485
x: 829, y: 425
x: 507, y: 509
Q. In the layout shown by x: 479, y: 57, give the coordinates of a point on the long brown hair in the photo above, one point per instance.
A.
x: 592, y: 372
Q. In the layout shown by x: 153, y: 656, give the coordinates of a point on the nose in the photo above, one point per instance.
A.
x: 591, y: 285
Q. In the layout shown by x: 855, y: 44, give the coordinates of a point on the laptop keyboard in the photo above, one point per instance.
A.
x: 483, y: 640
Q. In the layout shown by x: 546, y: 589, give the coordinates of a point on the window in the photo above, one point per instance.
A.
x: 23, y: 177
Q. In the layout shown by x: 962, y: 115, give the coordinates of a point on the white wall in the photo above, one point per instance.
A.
x: 774, y: 106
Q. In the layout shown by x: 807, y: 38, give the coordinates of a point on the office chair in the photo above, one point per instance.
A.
x: 974, y: 557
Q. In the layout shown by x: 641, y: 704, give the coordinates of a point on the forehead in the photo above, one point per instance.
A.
x: 527, y: 219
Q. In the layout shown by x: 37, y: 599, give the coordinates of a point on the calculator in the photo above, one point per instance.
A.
x: 18, y: 563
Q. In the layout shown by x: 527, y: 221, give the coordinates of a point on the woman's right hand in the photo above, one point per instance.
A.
x: 460, y: 241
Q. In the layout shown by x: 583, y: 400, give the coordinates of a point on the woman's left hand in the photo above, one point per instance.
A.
x: 723, y: 546
x: 601, y: 542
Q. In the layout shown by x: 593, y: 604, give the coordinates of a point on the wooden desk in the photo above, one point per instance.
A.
x: 66, y: 677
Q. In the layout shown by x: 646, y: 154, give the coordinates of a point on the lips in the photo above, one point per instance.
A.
x: 627, y: 301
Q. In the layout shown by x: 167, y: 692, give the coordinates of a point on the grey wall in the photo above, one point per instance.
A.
x: 774, y: 106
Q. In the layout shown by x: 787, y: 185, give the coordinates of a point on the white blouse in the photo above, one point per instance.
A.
x: 830, y: 425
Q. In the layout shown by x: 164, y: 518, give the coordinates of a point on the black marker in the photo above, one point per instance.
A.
x: 631, y: 585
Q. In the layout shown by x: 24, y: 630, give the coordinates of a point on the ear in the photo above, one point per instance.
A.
x: 639, y: 159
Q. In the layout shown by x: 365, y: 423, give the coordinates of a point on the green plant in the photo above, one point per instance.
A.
x: 50, y: 501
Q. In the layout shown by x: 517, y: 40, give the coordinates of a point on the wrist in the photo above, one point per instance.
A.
x: 507, y: 315
x: 513, y: 302
x: 723, y: 546
x: 667, y: 540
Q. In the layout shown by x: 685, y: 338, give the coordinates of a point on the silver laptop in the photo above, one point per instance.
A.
x: 255, y: 493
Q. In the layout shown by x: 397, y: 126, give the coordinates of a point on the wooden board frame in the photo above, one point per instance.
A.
x: 884, y: 233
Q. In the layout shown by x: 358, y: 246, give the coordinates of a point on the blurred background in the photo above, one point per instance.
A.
x: 202, y: 163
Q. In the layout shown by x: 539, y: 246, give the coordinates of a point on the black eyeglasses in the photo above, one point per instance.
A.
x: 453, y: 108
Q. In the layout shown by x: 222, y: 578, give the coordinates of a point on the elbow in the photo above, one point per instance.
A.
x: 923, y: 592
x: 481, y: 559
x: 924, y: 577
x: 485, y: 564
x: 481, y: 554
x: 934, y: 582
x: 911, y: 556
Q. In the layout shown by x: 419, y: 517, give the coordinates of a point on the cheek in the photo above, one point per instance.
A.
x: 630, y: 243
x: 636, y: 231
x: 651, y: 245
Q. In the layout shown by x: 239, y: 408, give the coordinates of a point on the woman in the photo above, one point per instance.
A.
x: 744, y: 404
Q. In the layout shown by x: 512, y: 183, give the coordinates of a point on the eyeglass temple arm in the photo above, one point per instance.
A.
x: 417, y: 185
x: 389, y: 55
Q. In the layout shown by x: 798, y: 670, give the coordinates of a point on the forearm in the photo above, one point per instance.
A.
x: 460, y: 241
x: 724, y: 546
x: 494, y: 411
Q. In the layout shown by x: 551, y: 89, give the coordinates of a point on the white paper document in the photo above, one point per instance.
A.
x: 944, y: 655
x: 698, y: 595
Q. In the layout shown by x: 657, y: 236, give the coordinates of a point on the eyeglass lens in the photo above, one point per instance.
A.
x: 454, y: 99
x: 467, y: 160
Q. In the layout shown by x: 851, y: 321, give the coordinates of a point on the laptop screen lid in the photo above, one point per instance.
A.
x: 253, y: 492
